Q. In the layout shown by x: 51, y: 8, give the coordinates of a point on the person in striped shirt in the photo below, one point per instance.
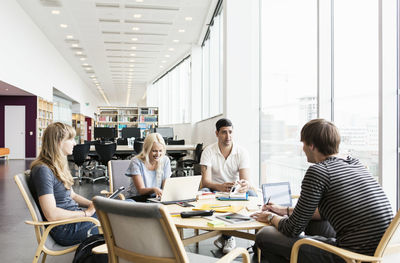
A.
x: 340, y: 203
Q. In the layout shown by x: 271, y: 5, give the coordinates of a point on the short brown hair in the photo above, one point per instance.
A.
x: 324, y: 135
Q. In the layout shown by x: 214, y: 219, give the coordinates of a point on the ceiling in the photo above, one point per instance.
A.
x: 9, y: 90
x: 118, y: 47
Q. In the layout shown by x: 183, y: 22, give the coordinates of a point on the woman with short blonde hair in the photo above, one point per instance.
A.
x: 51, y: 183
x: 149, y: 169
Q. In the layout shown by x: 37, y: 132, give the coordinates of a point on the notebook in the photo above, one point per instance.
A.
x: 179, y: 189
x: 277, y: 193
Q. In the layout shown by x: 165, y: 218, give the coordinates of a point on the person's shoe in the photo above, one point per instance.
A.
x: 230, y: 244
x: 219, y: 242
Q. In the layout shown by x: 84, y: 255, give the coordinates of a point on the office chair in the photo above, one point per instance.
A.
x: 175, y: 155
x: 122, y: 141
x: 145, y: 232
x: 105, y: 153
x: 80, y: 153
x: 46, y: 243
x: 191, y: 166
x: 388, y: 249
x: 117, y: 177
x: 137, y: 146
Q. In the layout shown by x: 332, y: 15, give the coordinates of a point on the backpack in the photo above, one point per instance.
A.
x: 83, y: 253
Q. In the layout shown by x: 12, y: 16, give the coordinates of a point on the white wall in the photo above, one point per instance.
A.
x: 30, y: 62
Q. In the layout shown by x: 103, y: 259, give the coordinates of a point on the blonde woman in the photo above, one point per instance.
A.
x: 149, y: 169
x: 51, y: 183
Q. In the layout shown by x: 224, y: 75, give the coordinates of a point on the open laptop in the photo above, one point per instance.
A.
x: 277, y: 193
x: 179, y: 189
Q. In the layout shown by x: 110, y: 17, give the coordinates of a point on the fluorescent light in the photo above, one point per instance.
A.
x: 137, y: 15
x: 70, y: 37
x: 133, y: 47
x: 135, y: 28
x: 132, y: 60
x: 176, y: 40
x: 82, y: 59
x: 171, y: 49
x: 75, y: 45
x: 181, y: 30
x: 167, y: 56
x: 133, y: 54
x: 139, y: 1
x: 79, y: 53
x: 63, y: 25
x: 134, y: 39
x: 55, y: 12
x: 85, y: 64
x: 188, y: 18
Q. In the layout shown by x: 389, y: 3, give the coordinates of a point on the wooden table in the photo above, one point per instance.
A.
x: 199, y: 223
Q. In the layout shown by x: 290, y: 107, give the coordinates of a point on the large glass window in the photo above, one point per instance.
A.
x: 324, y: 59
x: 171, y: 94
x: 212, y: 66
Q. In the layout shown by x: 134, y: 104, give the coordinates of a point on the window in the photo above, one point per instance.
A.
x: 329, y: 60
x: 212, y: 66
x: 171, y: 94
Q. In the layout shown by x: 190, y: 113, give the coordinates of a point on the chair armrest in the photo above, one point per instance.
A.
x: 234, y: 254
x: 64, y: 221
x: 343, y: 253
x: 105, y: 192
x: 101, y: 249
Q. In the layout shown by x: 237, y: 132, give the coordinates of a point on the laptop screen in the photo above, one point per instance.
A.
x: 279, y: 193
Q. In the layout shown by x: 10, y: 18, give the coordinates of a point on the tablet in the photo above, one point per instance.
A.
x: 277, y: 193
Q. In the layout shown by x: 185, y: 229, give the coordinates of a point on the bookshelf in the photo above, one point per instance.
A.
x: 78, y: 122
x: 44, y: 118
x: 121, y: 117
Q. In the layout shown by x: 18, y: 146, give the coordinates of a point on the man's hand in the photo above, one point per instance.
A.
x: 225, y: 187
x: 277, y: 209
x: 261, y: 216
x: 244, y: 185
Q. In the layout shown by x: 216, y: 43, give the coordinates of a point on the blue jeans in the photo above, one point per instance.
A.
x: 72, y: 234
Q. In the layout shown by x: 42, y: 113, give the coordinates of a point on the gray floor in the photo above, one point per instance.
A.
x: 17, y: 240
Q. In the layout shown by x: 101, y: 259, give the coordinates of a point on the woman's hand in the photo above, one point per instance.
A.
x: 157, y: 191
x: 90, y: 210
x: 261, y: 216
x: 277, y: 209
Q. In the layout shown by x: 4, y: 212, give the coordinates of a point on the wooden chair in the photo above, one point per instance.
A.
x: 46, y: 243
x: 144, y: 232
x: 117, y: 177
x: 388, y: 249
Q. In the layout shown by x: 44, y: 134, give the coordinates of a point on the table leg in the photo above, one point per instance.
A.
x: 196, y: 233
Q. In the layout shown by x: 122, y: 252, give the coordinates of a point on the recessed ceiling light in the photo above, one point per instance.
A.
x: 181, y: 30
x: 79, y: 53
x: 139, y: 1
x: 164, y: 61
x: 131, y: 69
x: 132, y: 60
x: 85, y: 64
x: 55, y: 12
x: 161, y: 66
x: 167, y: 56
x: 82, y: 59
x: 6, y: 89
x: 188, y: 18
x: 75, y: 45
x: 171, y: 49
x: 137, y: 15
x: 134, y: 39
x: 63, y: 25
x: 131, y: 65
x: 135, y: 28
x: 133, y: 54
x: 70, y: 36
x: 133, y: 47
x: 93, y: 76
x: 176, y: 40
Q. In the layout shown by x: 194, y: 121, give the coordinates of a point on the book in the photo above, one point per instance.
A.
x: 234, y: 218
x: 205, y: 195
x: 232, y: 196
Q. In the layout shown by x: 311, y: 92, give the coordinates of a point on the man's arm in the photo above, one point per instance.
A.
x: 244, y: 175
x: 207, y: 182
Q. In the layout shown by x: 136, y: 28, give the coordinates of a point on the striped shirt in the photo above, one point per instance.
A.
x: 348, y: 197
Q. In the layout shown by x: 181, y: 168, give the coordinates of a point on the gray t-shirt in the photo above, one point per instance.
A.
x: 43, y: 181
x: 137, y: 167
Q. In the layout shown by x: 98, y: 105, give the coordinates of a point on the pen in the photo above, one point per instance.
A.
x: 269, y: 198
x: 238, y: 217
x: 220, y: 206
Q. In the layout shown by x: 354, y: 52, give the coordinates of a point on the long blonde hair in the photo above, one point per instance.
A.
x: 144, y: 154
x: 51, y: 153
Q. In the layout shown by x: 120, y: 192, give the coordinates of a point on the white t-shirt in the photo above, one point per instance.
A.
x: 225, y: 170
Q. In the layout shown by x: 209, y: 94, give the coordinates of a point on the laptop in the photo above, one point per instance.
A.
x: 277, y: 193
x: 179, y: 189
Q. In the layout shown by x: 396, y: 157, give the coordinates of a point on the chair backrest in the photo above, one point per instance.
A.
x: 389, y: 246
x: 139, y: 232
x: 22, y: 181
x: 197, y: 152
x: 116, y: 173
x: 105, y: 152
x: 176, y: 142
x: 80, y: 153
x: 138, y: 146
x: 122, y: 141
